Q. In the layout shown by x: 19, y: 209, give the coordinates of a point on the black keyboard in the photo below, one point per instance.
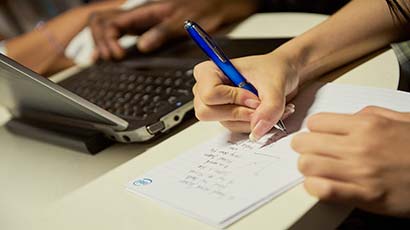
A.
x: 133, y: 94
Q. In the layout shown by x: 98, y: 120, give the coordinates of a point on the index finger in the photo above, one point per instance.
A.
x: 215, y: 89
x: 334, y: 123
x: 97, y: 32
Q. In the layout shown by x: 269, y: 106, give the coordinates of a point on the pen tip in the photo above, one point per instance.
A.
x: 282, y: 126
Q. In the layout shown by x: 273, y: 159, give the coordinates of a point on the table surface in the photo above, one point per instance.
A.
x: 45, y: 186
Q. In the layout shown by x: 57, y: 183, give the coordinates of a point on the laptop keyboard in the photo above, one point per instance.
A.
x: 133, y: 94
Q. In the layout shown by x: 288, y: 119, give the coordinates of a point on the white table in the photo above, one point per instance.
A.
x: 48, y: 187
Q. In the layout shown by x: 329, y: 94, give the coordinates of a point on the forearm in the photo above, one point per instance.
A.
x: 43, y: 47
x: 359, y: 28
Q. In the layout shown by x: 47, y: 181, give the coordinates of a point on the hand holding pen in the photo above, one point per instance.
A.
x: 241, y: 108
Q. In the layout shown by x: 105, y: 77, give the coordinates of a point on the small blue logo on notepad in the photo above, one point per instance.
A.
x: 142, y: 182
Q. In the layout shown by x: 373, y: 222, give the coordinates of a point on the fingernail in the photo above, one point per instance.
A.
x: 261, y: 128
x: 290, y: 105
x: 252, y: 137
x: 289, y: 110
x: 252, y: 103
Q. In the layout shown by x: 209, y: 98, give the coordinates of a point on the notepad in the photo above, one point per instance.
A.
x: 227, y: 177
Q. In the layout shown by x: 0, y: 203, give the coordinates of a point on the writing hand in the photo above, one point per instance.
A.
x: 238, y: 109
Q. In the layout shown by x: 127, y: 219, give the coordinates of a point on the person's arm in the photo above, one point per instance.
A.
x: 42, y: 49
x: 160, y: 21
x: 359, y: 28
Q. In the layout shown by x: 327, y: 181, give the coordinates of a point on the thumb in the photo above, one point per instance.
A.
x: 268, y: 113
x: 387, y: 113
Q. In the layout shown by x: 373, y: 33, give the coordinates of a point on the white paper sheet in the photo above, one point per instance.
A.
x: 227, y: 177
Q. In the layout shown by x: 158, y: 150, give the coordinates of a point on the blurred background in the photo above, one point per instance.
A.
x: 20, y: 16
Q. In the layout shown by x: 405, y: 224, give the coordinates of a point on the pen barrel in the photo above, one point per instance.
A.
x: 212, y: 50
x: 249, y: 87
x: 235, y: 76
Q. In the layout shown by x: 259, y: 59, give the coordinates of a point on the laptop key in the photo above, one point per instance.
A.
x: 184, y: 92
x: 168, y: 81
x: 159, y: 90
x: 158, y: 80
x: 172, y: 100
x: 149, y: 80
x: 156, y: 98
x: 146, y: 97
x: 123, y: 77
x: 132, y: 78
x: 179, y: 73
x: 139, y: 88
x: 178, y: 82
x: 189, y: 73
x: 149, y: 88
x: 131, y: 86
x: 128, y: 96
x: 169, y: 90
x: 140, y: 79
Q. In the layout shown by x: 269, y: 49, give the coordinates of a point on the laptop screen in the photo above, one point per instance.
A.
x: 23, y: 90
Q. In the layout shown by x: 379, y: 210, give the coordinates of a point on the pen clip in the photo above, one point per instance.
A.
x: 211, y: 44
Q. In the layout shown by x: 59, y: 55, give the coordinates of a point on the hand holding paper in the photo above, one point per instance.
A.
x: 372, y: 144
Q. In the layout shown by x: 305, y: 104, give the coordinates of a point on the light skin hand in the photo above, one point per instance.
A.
x: 238, y: 109
x: 159, y: 22
x: 361, y: 159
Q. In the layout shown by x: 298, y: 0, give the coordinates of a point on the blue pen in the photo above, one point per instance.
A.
x: 212, y: 50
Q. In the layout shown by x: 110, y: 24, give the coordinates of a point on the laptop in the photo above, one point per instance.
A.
x: 131, y: 100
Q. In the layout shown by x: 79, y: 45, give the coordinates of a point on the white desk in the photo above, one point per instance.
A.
x: 48, y: 187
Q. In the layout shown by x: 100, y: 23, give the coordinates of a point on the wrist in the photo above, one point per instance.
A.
x: 304, y: 55
x: 291, y: 58
x: 50, y: 38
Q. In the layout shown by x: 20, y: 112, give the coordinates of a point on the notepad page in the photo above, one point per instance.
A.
x: 205, y: 181
x: 227, y: 177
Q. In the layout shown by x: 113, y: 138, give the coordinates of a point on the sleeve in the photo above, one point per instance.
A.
x: 3, y: 47
x: 402, y: 51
